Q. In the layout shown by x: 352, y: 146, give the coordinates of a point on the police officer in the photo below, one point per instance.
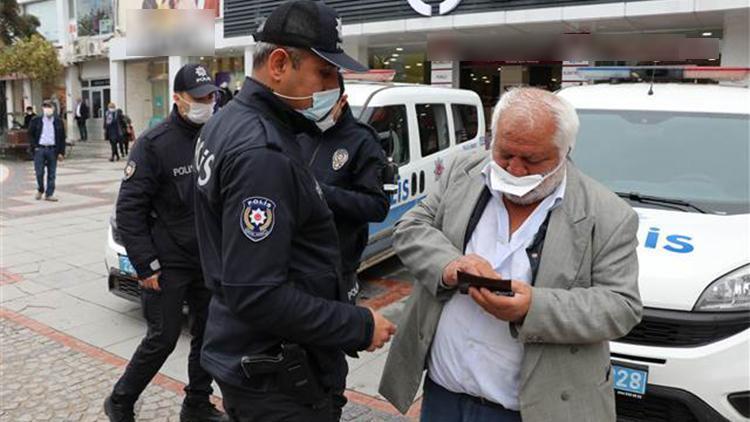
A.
x: 156, y: 221
x: 348, y: 161
x: 277, y: 328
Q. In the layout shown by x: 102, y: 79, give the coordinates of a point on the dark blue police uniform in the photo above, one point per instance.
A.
x: 348, y: 161
x: 270, y: 256
x: 156, y: 222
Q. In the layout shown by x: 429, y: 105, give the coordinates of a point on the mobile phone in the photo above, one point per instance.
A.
x: 497, y: 286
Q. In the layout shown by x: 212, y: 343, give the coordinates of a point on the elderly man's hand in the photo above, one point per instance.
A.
x: 472, y: 264
x: 511, y: 309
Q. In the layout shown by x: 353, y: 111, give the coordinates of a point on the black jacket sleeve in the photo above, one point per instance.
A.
x: 255, y: 273
x: 134, y: 206
x: 59, y: 136
x: 35, y: 132
x: 366, y: 201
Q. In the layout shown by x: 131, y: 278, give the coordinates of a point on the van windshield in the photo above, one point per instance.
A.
x: 700, y: 158
x: 356, y: 110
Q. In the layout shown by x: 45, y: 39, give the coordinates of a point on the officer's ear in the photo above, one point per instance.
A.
x: 279, y: 64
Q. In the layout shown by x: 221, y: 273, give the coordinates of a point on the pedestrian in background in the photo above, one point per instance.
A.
x: 124, y: 143
x: 113, y: 130
x: 28, y: 117
x: 82, y: 114
x: 47, y: 144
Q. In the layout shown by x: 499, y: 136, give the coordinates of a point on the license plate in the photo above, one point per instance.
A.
x: 630, y: 380
x: 125, y: 266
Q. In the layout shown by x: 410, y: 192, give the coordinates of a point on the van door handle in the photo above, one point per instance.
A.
x: 421, y: 181
x: 414, y: 186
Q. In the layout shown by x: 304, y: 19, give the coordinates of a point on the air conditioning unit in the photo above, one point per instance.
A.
x: 94, y: 48
x: 78, y: 48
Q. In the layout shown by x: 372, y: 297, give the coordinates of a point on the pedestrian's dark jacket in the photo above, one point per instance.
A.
x: 84, y: 111
x: 348, y: 160
x: 27, y: 120
x: 35, y: 133
x: 113, y: 123
x: 154, y: 213
x: 225, y: 96
x: 268, y: 244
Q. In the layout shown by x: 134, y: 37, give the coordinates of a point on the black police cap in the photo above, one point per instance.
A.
x: 195, y: 80
x: 311, y: 25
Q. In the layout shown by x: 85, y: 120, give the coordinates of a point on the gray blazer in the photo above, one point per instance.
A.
x: 585, y: 293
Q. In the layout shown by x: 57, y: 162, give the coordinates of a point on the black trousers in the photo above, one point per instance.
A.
x: 113, y: 145
x: 123, y: 143
x: 82, y: 129
x: 267, y: 404
x: 163, y: 312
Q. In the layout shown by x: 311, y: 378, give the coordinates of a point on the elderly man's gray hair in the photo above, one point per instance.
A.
x: 530, y: 101
x: 263, y: 50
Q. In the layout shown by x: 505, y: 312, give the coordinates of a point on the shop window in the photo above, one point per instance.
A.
x: 392, y: 120
x: 465, y: 122
x: 432, y: 120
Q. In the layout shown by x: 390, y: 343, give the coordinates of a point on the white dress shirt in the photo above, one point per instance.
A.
x: 47, y: 137
x: 473, y: 352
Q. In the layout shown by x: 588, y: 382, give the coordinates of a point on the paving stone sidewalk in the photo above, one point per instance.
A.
x: 46, y: 376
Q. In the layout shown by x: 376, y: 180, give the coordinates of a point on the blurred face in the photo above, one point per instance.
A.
x: 312, y: 75
x: 524, y: 147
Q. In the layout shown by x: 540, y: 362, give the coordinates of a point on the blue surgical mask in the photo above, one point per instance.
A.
x: 323, y: 103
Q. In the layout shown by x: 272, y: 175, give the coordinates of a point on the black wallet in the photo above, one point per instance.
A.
x: 497, y: 286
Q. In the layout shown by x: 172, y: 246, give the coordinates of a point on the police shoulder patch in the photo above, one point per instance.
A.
x: 340, y: 157
x: 129, y: 170
x: 258, y: 218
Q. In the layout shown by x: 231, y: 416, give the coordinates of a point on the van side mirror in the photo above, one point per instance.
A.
x: 390, y: 171
x: 386, y: 142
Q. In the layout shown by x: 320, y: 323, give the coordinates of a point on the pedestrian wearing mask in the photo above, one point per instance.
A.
x: 279, y: 323
x: 156, y: 222
x: 113, y: 132
x: 47, y: 144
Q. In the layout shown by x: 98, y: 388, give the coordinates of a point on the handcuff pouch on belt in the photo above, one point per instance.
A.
x: 292, y: 370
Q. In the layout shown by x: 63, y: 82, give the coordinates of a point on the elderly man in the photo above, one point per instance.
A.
x: 522, y: 213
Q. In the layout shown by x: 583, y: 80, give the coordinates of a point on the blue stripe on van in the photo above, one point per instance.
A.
x: 393, y: 215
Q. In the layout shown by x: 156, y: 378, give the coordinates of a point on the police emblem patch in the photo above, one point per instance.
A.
x: 258, y: 217
x: 129, y: 170
x: 340, y: 157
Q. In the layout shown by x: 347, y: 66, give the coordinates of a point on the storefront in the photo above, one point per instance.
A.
x: 396, y: 34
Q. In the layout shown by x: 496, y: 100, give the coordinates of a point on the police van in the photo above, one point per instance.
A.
x: 426, y: 126
x: 423, y: 126
x: 679, y: 153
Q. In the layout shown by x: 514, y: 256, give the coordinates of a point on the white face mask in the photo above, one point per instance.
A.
x: 200, y: 113
x: 502, y: 181
x: 47, y: 111
x: 326, y: 123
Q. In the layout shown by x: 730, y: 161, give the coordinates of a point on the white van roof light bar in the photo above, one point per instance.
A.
x: 373, y: 75
x: 663, y: 73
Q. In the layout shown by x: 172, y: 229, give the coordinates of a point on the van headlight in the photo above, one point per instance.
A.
x: 729, y: 293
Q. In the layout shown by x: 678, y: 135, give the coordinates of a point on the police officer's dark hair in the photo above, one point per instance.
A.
x: 263, y: 51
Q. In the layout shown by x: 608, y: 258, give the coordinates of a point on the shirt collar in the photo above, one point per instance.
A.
x: 558, y: 194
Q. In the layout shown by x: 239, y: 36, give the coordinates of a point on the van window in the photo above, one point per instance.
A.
x: 433, y: 128
x: 465, y: 122
x: 392, y: 119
